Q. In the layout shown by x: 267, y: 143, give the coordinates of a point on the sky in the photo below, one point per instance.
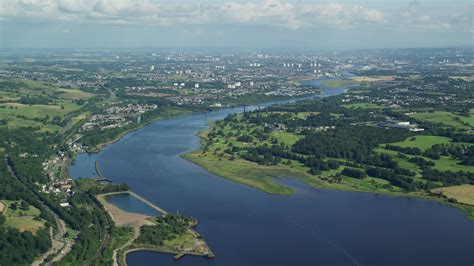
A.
x: 310, y: 24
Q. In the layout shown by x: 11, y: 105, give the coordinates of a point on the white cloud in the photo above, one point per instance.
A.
x: 278, y: 13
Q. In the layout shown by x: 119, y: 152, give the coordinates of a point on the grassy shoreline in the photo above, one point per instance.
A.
x: 262, y: 178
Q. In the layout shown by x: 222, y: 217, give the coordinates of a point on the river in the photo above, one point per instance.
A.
x: 244, y: 226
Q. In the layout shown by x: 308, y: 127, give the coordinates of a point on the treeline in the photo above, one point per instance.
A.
x: 394, y: 178
x: 27, y: 150
x: 21, y: 248
x: 92, y: 223
x: 347, y: 142
x: 34, y: 100
x: 109, y: 188
x: 448, y: 178
x: 464, y: 153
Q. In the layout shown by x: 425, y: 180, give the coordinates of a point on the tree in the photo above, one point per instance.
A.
x: 24, y: 205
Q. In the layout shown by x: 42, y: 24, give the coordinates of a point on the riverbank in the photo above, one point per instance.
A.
x: 159, y: 117
x: 190, y: 243
x: 262, y: 178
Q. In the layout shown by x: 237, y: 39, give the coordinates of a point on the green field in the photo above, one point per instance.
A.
x: 74, y: 94
x: 445, y: 118
x: 451, y: 164
x: 23, y: 220
x: 422, y: 142
x: 286, y: 137
x: 79, y: 117
x: 16, y: 122
x: 244, y: 172
x: 469, y: 120
x: 39, y: 111
x: 47, y: 102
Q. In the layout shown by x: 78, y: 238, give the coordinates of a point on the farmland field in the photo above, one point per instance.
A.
x: 463, y: 193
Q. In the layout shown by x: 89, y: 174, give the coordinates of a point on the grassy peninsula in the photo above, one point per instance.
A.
x: 370, y: 147
x: 169, y: 233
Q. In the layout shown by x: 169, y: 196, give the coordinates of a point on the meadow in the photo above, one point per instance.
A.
x: 422, y: 142
x: 445, y: 118
x: 29, y: 103
x: 23, y: 220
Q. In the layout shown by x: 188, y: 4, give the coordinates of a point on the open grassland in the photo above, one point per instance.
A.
x: 29, y: 103
x: 74, y: 94
x: 450, y: 164
x: 463, y: 193
x: 443, y: 164
x: 240, y: 171
x: 468, y: 119
x: 23, y: 220
x: 16, y: 122
x: 422, y: 142
x: 14, y: 89
x: 39, y: 111
x: 262, y: 177
x: 24, y: 224
x: 286, y: 137
x: 82, y: 116
x: 445, y: 118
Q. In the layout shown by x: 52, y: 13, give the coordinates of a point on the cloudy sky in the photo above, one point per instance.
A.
x: 342, y: 24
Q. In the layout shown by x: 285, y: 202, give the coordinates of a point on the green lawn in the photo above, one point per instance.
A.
x: 443, y: 164
x: 469, y: 120
x: 39, y: 111
x: 451, y: 164
x: 442, y: 117
x: 74, y: 94
x: 23, y: 220
x: 422, y: 142
x: 248, y: 173
x: 79, y: 117
x: 286, y: 137
x: 16, y: 122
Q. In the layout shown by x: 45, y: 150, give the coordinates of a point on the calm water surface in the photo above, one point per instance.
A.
x: 244, y: 226
x: 130, y: 203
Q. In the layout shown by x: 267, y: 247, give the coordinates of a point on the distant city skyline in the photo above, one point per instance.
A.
x: 344, y: 24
